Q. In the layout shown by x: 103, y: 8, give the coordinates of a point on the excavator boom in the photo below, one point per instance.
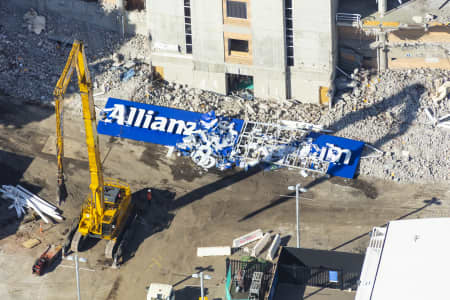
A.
x: 77, y: 61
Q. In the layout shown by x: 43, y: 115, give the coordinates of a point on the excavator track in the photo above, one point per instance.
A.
x: 110, y: 249
x: 76, y: 240
x: 123, y: 242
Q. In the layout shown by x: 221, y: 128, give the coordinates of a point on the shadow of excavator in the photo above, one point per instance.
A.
x: 151, y: 217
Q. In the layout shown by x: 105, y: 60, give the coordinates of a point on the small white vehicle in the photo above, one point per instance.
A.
x: 160, y: 291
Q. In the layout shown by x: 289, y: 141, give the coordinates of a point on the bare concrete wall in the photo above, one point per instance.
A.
x: 207, y: 35
x: 314, y: 48
x: 269, y: 49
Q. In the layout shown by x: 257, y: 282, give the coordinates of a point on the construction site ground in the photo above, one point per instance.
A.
x: 190, y: 208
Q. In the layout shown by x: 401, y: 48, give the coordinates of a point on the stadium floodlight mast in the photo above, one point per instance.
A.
x: 77, y: 274
x: 201, y: 276
x: 297, y: 188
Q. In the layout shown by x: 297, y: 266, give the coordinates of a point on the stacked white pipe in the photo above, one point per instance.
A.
x: 23, y: 198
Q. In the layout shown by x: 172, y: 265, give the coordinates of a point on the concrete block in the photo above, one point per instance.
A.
x: 31, y: 243
x: 247, y: 238
x: 213, y: 251
x: 262, y: 243
x: 274, y: 247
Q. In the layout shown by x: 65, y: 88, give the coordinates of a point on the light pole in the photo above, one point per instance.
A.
x: 201, y: 276
x: 77, y: 274
x: 297, y: 189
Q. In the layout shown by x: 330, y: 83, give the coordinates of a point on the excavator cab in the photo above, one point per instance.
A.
x: 118, y: 211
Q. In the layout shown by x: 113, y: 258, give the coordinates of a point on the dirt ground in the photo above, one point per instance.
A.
x: 190, y: 209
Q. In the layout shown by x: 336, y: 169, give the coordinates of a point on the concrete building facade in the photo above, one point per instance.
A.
x: 286, y: 47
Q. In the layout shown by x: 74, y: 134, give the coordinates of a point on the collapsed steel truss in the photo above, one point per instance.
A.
x: 281, y: 144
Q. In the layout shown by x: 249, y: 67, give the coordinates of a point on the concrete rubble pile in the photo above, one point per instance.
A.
x: 22, y: 198
x: 31, y: 62
x: 387, y: 110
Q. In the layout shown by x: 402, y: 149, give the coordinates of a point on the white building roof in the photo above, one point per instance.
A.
x: 158, y: 291
x: 412, y: 261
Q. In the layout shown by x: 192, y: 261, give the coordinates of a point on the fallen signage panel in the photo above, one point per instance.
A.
x: 149, y: 123
x: 224, y: 143
x: 248, y: 238
x: 340, y: 169
x: 214, y: 251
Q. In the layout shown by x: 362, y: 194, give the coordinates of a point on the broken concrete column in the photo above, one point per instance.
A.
x: 261, y: 245
x: 274, y: 247
x: 382, y: 52
x: 382, y: 7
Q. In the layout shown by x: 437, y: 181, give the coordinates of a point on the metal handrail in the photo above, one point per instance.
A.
x: 348, y: 18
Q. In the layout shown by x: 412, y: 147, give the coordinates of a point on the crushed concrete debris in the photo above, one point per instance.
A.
x: 390, y: 113
x: 442, y: 92
x: 386, y: 110
x: 23, y: 198
x: 34, y: 22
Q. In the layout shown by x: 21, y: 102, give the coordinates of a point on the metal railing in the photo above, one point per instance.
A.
x: 348, y: 18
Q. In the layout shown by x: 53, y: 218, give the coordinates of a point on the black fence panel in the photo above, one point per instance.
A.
x: 244, y: 271
x: 319, y: 277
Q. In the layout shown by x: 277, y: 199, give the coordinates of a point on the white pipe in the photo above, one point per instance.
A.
x: 37, y: 210
x: 38, y: 203
x: 20, y: 199
x: 47, y: 211
x: 37, y: 197
x: 34, y: 203
x: 41, y: 205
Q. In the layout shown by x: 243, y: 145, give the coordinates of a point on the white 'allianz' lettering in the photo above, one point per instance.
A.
x: 137, y: 117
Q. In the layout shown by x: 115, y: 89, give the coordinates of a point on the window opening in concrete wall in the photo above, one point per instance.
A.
x: 188, y: 25
x: 236, y: 12
x: 236, y: 9
x: 135, y: 4
x: 240, y: 85
x: 289, y: 27
x: 236, y: 47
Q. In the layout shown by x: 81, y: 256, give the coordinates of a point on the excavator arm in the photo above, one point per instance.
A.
x: 77, y: 61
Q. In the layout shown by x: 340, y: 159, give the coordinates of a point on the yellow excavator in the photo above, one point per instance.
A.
x: 108, y: 209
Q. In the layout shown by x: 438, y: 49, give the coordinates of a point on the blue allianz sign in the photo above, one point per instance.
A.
x: 149, y: 123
